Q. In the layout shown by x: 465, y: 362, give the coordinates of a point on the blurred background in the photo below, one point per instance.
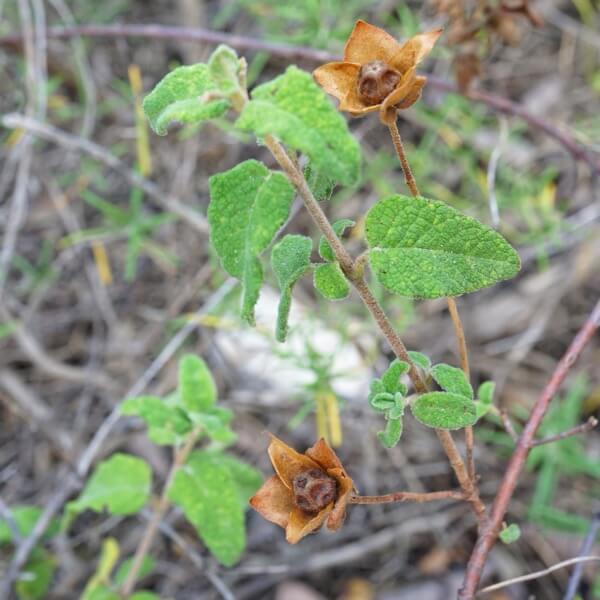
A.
x: 107, y: 275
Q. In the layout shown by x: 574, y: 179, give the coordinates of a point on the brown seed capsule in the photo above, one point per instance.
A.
x: 376, y: 81
x: 314, y: 490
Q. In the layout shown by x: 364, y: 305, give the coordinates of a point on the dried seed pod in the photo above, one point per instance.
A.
x: 314, y: 490
x: 376, y: 81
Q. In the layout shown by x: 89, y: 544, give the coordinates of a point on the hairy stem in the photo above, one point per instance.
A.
x: 355, y: 277
x: 159, y: 512
x: 408, y: 497
x: 408, y: 175
x: 459, y: 332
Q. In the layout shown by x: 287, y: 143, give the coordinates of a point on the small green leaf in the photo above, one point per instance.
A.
x: 123, y: 570
x: 382, y: 401
x: 36, y: 577
x: 144, y: 595
x: 481, y: 409
x: 397, y: 412
x: 97, y: 587
x: 25, y: 518
x: 452, y: 380
x: 422, y: 248
x: 179, y: 97
x: 101, y: 592
x: 290, y: 259
x: 510, y: 534
x: 215, y: 424
x: 443, y: 410
x: 167, y: 425
x: 248, y: 205
x: 319, y: 183
x: 391, y: 378
x: 391, y: 436
x: 421, y: 360
x: 211, y: 503
x: 197, y: 388
x: 339, y: 227
x: 120, y: 484
x: 485, y: 392
x: 293, y: 108
x: 224, y: 69
x: 330, y: 281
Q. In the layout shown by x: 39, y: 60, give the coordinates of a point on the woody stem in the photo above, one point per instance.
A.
x: 407, y: 497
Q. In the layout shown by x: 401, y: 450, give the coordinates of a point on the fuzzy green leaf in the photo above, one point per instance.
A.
x: 421, y: 360
x: 443, y: 410
x: 422, y: 248
x: 452, y: 380
x: 248, y: 205
x: 485, y: 392
x: 224, y: 69
x: 319, y: 183
x: 391, y: 435
x: 208, y: 496
x: 215, y: 424
x: 391, y: 378
x: 330, y: 281
x: 339, y: 227
x: 290, y: 259
x: 36, y: 577
x: 26, y: 517
x: 178, y: 97
x: 197, y: 388
x: 382, y: 401
x: 294, y: 109
x: 167, y: 424
x: 120, y: 484
x: 510, y: 534
x: 123, y: 571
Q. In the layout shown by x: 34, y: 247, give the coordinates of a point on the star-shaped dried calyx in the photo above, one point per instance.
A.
x: 307, y: 491
x: 377, y: 72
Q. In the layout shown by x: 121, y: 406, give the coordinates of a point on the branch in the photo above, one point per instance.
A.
x: 408, y: 497
x: 583, y: 428
x: 586, y: 548
x: 489, y: 532
x: 310, y: 55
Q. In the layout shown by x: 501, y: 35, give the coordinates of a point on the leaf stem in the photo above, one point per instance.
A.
x: 407, y: 497
x: 181, y: 455
x: 395, y: 134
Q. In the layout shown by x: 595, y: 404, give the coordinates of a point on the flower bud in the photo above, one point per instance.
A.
x: 376, y: 81
x: 314, y: 490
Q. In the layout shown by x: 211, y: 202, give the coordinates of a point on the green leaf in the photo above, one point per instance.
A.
x: 248, y: 205
x: 382, y: 401
x: 319, y: 183
x: 290, y: 259
x: 215, y: 424
x: 101, y: 592
x: 391, y: 435
x: 210, y: 501
x: 294, y: 109
x: 510, y: 534
x: 97, y: 587
x: 224, y: 69
x: 123, y: 570
x: 452, y: 380
x: 36, y: 577
x: 339, y: 227
x: 120, y: 484
x: 330, y: 281
x: 246, y: 478
x: 485, y: 392
x: 167, y: 425
x: 183, y: 96
x: 421, y: 360
x: 197, y: 388
x: 391, y: 378
x: 443, y: 410
x: 144, y: 595
x: 481, y: 409
x: 422, y: 248
x: 26, y: 517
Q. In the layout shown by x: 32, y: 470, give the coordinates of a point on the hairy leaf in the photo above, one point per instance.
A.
x: 452, y: 380
x: 167, y: 425
x: 25, y: 518
x: 123, y: 571
x: 330, y: 281
x: 391, y: 377
x: 197, y: 388
x: 248, y: 205
x: 294, y: 109
x: 382, y: 401
x: 325, y: 250
x: 426, y: 249
x: 224, y: 69
x: 215, y: 424
x: 485, y: 392
x: 183, y: 96
x: 36, y: 576
x: 421, y: 360
x: 443, y: 410
x: 210, y: 501
x: 290, y: 259
x: 120, y: 484
x: 391, y: 435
